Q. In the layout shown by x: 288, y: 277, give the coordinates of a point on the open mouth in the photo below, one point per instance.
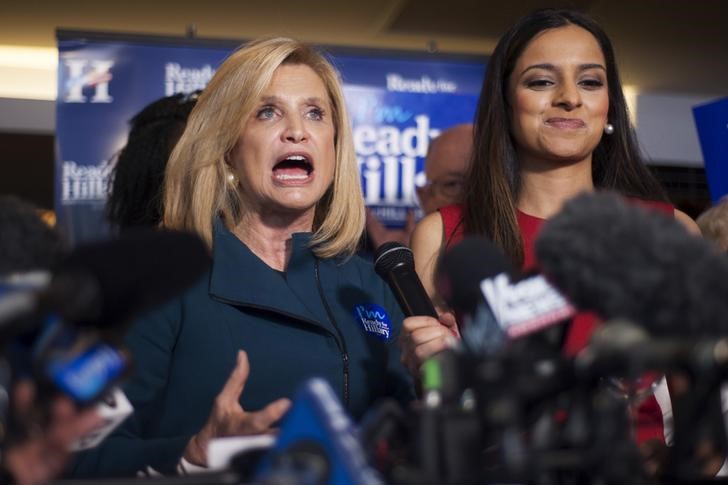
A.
x: 293, y: 168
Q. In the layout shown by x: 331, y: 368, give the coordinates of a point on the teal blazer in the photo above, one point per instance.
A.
x: 329, y: 318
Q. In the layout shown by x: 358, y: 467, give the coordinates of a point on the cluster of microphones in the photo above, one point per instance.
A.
x: 508, y: 405
x: 65, y: 333
x: 504, y: 405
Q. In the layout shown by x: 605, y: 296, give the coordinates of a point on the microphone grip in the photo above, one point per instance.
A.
x: 410, y: 293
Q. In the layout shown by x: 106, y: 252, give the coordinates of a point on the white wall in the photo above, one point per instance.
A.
x: 27, y: 116
x: 666, y: 128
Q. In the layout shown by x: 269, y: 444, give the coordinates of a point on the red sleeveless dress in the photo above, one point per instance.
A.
x: 649, y: 414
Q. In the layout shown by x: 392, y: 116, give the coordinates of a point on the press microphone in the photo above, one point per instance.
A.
x: 395, y: 263
x: 463, y: 267
x: 317, y: 443
x: 477, y: 280
x: 102, y: 285
x: 620, y: 260
x: 624, y: 348
x: 113, y: 409
x: 458, y: 276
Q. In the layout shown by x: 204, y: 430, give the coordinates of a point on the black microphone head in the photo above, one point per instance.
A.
x: 391, y: 255
x: 462, y: 269
x: 623, y: 260
x: 105, y: 284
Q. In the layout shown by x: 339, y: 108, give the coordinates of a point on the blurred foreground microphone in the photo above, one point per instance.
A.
x: 477, y: 281
x: 103, y: 285
x: 623, y: 261
x: 396, y: 265
x: 623, y: 348
x: 66, y: 334
x: 317, y: 444
x: 464, y: 267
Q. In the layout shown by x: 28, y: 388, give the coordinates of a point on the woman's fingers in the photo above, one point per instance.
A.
x: 230, y: 394
x: 423, y: 337
x: 262, y: 421
x: 448, y: 320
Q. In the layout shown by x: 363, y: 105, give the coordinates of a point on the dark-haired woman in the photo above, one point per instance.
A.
x: 551, y: 123
x: 135, y: 198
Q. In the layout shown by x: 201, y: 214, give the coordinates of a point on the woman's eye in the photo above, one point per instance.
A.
x: 539, y: 83
x: 452, y: 184
x: 266, y: 113
x: 315, y: 114
x: 592, y: 83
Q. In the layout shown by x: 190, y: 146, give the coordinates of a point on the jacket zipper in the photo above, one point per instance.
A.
x: 340, y: 342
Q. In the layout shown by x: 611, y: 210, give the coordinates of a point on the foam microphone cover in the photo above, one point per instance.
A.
x: 623, y: 260
x: 104, y: 284
x: 462, y: 269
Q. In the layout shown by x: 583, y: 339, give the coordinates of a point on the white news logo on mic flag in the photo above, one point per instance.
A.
x: 114, y: 409
x: 526, y: 306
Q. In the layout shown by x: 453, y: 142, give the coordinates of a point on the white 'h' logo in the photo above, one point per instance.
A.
x: 83, y: 73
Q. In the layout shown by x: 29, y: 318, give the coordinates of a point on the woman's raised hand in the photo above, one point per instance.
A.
x: 228, y: 418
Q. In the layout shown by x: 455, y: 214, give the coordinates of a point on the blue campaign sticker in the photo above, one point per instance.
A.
x: 374, y: 320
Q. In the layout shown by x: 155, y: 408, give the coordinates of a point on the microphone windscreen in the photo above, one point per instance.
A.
x: 462, y: 269
x: 391, y: 255
x: 104, y: 284
x: 622, y: 260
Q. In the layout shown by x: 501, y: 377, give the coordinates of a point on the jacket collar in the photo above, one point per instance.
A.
x: 241, y: 278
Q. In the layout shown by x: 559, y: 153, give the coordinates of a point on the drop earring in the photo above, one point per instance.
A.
x: 608, y: 129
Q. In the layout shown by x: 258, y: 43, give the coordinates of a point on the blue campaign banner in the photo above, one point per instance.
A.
x: 711, y: 120
x: 398, y: 102
x: 397, y: 106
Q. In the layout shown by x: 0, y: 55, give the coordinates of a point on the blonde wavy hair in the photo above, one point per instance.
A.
x: 195, y: 187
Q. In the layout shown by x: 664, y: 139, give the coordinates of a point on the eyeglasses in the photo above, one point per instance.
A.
x: 451, y: 187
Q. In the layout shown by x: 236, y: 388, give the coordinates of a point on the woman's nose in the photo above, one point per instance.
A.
x: 568, y: 96
x: 295, y: 130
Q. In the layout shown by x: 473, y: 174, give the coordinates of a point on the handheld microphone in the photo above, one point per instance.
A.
x: 395, y: 263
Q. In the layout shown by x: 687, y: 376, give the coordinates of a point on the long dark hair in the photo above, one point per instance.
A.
x: 494, y: 181
x: 137, y: 180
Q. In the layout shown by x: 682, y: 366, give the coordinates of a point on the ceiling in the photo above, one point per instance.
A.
x: 676, y: 46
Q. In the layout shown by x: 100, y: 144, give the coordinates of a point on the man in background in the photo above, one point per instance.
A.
x: 446, y: 166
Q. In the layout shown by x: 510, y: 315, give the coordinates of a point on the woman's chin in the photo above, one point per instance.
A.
x: 294, y: 204
x: 567, y: 155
